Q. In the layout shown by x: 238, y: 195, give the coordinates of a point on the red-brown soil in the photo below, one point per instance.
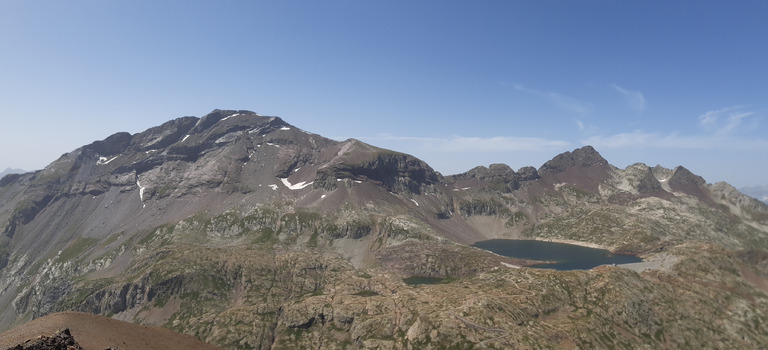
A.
x: 95, y: 332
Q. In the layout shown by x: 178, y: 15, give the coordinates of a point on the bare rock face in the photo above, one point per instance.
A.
x: 684, y: 177
x: 638, y: 178
x: 61, y: 340
x: 397, y: 172
x: 112, y: 145
x: 528, y: 173
x: 498, y: 177
x: 581, y: 157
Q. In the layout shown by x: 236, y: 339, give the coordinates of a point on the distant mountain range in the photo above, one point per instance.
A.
x: 10, y: 171
x: 248, y: 232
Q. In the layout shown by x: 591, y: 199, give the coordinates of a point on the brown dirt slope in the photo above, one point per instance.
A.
x: 95, y: 332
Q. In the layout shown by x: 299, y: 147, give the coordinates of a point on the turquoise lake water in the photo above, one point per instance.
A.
x: 564, y: 256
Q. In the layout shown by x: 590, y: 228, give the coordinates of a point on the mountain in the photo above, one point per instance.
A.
x: 8, y: 171
x: 248, y: 232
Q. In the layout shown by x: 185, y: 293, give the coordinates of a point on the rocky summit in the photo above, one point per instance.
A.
x: 247, y: 232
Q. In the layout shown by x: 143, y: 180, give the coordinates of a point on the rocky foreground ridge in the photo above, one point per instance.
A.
x: 61, y: 340
x: 248, y: 232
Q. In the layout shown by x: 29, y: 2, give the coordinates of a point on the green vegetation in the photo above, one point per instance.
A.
x: 517, y: 218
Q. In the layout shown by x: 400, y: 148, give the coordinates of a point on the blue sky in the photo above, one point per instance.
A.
x: 455, y: 83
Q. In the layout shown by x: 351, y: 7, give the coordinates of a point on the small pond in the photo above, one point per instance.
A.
x: 562, y: 256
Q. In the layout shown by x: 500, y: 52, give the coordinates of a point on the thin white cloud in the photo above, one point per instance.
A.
x: 641, y: 139
x: 389, y: 137
x: 569, y: 104
x: 477, y: 144
x: 634, y: 99
x: 502, y: 143
x: 725, y: 121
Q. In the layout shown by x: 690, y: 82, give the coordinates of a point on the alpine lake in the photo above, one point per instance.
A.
x: 557, y: 256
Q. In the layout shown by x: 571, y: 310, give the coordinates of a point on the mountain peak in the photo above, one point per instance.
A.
x: 581, y: 157
x: 684, y: 177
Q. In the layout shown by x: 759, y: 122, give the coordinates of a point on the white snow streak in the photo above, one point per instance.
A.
x: 141, y: 190
x: 415, y: 202
x: 323, y: 196
x: 104, y: 160
x: 273, y: 187
x: 510, y: 265
x: 297, y: 186
x: 234, y: 115
x: 185, y: 138
x: 285, y: 128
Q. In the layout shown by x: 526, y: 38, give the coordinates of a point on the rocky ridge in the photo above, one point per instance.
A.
x: 61, y: 340
x: 248, y: 232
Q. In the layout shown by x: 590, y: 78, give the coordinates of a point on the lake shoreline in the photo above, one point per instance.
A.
x: 557, y: 254
x: 569, y: 241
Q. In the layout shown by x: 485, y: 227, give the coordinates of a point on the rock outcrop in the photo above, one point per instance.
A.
x: 61, y: 340
x: 582, y: 157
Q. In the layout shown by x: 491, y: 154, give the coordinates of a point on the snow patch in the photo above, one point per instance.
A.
x: 141, y: 190
x: 415, y: 202
x: 510, y: 265
x: 323, y: 196
x: 297, y: 186
x: 228, y: 137
x: 272, y: 144
x: 358, y: 182
x: 234, y: 115
x: 150, y: 151
x: 297, y: 169
x: 273, y: 187
x: 285, y: 128
x: 104, y: 160
x: 185, y: 138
